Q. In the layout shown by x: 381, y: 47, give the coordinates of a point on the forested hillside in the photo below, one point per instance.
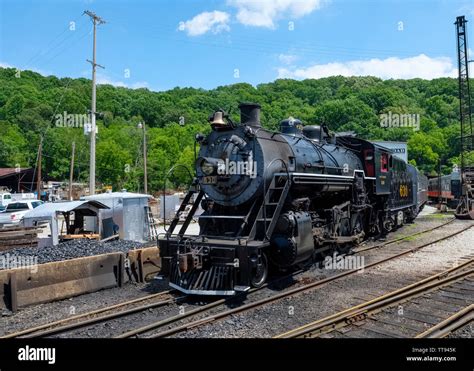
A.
x: 30, y: 103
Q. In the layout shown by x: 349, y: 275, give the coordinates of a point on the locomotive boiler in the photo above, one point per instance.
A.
x: 278, y: 199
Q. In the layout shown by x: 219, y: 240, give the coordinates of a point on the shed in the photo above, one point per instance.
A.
x: 127, y: 215
x: 79, y: 217
x: 17, y: 179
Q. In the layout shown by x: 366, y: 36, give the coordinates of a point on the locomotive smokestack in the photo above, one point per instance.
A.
x: 250, y: 114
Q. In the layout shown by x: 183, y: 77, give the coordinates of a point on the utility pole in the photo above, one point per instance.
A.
x: 38, y: 176
x: 142, y: 126
x: 96, y: 20
x: 71, y: 172
x: 145, y: 176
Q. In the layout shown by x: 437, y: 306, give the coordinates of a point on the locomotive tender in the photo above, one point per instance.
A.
x: 280, y: 198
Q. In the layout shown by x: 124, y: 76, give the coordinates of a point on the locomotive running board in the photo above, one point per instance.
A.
x: 310, y: 177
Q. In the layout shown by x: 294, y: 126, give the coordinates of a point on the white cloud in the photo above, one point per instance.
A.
x: 420, y: 66
x: 105, y: 80
x: 33, y: 69
x: 287, y: 58
x: 264, y: 13
x: 41, y: 72
x: 214, y: 22
x: 139, y: 84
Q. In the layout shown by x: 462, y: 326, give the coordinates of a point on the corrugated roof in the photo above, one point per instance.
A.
x: 51, y: 208
x: 8, y: 171
x: 102, y: 196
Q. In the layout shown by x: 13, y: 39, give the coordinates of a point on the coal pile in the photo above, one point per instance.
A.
x: 70, y: 250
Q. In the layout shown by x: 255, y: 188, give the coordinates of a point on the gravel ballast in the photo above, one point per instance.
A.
x: 70, y: 250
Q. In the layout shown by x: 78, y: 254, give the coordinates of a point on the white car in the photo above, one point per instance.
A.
x: 15, y: 212
x: 5, y: 199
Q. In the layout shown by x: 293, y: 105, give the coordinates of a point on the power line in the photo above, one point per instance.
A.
x: 67, y: 47
x: 49, y: 47
x: 260, y: 46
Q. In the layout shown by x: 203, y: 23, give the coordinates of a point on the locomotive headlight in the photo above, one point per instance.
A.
x: 207, y: 167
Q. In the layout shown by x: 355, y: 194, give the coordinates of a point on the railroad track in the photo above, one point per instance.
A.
x: 403, y: 238
x: 449, y: 325
x: 97, y: 316
x: 90, y: 318
x: 159, y: 325
x: 380, y: 317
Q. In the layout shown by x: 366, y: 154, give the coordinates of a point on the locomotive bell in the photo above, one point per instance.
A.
x: 218, y: 119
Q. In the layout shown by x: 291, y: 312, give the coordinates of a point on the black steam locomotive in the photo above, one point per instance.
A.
x: 280, y: 198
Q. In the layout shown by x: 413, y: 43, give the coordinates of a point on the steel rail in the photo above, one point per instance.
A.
x: 404, y: 237
x: 36, y: 331
x: 200, y: 309
x: 450, y: 324
x: 361, y: 311
x: 83, y: 315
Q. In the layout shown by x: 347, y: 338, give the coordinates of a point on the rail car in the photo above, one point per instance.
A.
x: 278, y: 199
x: 446, y: 188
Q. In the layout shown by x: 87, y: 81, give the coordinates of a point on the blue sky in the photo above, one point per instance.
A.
x: 206, y: 43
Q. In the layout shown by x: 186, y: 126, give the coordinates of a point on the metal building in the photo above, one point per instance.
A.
x: 85, y: 219
x: 127, y: 215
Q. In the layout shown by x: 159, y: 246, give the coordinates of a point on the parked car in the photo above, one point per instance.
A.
x: 15, y: 212
x: 5, y: 199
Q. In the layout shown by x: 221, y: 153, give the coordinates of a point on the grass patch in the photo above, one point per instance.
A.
x: 440, y: 215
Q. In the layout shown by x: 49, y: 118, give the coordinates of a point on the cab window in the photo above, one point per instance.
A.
x: 384, y: 163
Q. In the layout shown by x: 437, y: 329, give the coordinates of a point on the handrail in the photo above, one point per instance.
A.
x: 170, y: 171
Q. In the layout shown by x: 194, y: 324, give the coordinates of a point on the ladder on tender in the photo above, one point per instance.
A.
x: 271, y: 207
x: 151, y: 223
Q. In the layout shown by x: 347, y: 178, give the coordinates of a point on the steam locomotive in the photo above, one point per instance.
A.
x: 278, y: 199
